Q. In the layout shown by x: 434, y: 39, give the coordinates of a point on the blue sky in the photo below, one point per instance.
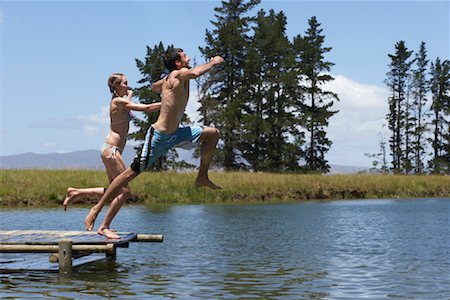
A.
x: 56, y: 57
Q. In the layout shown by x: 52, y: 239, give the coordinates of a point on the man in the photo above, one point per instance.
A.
x: 166, y: 133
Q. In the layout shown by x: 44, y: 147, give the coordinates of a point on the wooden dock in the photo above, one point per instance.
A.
x: 68, y: 248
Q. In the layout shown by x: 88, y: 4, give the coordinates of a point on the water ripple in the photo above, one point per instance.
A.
x: 338, y: 250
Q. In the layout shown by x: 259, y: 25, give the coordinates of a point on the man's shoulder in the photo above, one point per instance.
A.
x: 179, y: 74
x: 183, y: 71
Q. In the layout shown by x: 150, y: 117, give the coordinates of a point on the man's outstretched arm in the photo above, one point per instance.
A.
x: 199, y: 70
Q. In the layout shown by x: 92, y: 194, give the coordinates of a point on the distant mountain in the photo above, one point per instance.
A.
x: 90, y: 159
x: 85, y: 159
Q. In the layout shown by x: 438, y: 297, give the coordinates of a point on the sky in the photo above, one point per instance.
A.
x: 56, y: 57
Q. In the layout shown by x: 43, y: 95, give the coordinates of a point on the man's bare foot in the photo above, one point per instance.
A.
x: 90, y: 219
x: 206, y: 183
x: 108, y: 233
x: 71, y: 193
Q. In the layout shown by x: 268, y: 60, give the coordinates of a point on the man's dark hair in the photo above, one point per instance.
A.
x: 172, y: 55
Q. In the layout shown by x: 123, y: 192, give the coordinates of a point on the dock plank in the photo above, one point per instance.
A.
x: 46, y: 237
x: 31, y: 242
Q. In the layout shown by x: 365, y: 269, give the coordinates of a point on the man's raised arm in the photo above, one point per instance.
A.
x: 199, y: 70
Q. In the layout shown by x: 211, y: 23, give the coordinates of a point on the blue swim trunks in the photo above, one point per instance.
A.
x: 157, y: 144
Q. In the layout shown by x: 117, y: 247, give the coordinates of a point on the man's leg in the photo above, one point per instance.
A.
x: 114, y: 189
x: 208, y: 140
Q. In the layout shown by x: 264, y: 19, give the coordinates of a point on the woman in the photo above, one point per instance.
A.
x: 120, y: 115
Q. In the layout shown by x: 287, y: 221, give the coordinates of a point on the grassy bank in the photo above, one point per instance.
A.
x: 48, y: 187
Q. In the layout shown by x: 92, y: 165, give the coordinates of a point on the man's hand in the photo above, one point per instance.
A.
x: 217, y: 60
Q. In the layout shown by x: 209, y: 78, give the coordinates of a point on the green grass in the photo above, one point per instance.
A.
x: 48, y: 187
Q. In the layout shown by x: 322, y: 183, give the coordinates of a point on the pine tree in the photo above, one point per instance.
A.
x: 315, y: 105
x: 409, y: 128
x: 254, y: 125
x: 222, y: 103
x: 268, y: 88
x: 440, y: 89
x: 379, y: 162
x: 420, y: 88
x: 397, y: 81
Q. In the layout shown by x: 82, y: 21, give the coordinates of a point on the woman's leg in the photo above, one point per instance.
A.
x: 114, y: 189
x: 114, y: 208
x: 114, y: 166
x: 74, y: 194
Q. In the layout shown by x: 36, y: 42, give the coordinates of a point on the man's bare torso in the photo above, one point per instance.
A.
x: 174, y: 97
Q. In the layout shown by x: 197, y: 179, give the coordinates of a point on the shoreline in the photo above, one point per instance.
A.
x: 36, y: 188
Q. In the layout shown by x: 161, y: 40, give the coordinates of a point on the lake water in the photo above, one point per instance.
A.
x: 369, y: 249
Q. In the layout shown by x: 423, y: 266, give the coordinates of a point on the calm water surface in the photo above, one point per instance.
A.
x: 373, y: 249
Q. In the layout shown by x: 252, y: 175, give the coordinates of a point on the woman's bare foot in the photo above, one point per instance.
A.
x: 90, y: 219
x: 71, y: 194
x: 205, y: 182
x: 108, y: 233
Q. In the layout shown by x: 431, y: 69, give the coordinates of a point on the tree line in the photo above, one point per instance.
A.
x: 267, y: 98
x: 268, y: 101
x: 419, y: 114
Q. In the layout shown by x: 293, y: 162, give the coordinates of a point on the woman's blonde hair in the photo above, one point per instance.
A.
x: 113, y: 81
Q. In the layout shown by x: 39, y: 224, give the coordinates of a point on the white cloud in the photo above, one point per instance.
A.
x: 90, y: 129
x: 53, y: 148
x: 92, y: 124
x: 101, y: 118
x: 355, y: 129
x: 362, y: 109
x: 192, y: 106
x: 49, y: 144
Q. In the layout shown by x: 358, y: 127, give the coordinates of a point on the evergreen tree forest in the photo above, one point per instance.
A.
x: 419, y: 112
x: 267, y: 98
x: 269, y: 102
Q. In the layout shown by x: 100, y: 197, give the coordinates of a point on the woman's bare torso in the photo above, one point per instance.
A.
x: 120, y: 124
